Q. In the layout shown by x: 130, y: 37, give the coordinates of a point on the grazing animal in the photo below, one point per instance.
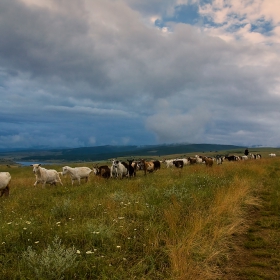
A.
x: 136, y: 165
x: 255, y: 156
x: 103, y: 171
x: 168, y: 162
x: 113, y: 171
x: 148, y: 166
x: 178, y: 163
x: 131, y: 168
x: 77, y: 173
x: 198, y: 159
x: 192, y: 160
x: 244, y: 157
x: 45, y: 176
x: 5, y: 178
x: 119, y: 168
x: 231, y: 158
x: 219, y: 159
x: 272, y: 155
x: 156, y: 165
x: 208, y: 161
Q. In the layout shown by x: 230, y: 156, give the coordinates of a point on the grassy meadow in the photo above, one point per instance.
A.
x: 170, y: 224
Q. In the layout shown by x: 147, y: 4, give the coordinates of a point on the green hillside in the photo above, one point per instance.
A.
x: 106, y: 152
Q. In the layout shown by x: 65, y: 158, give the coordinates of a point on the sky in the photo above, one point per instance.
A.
x: 79, y: 73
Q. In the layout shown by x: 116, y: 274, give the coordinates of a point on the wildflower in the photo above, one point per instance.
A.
x: 118, y: 247
x: 28, y: 222
x: 120, y: 218
x: 58, y: 223
x: 36, y: 242
x: 9, y: 223
x: 89, y: 252
x: 78, y: 252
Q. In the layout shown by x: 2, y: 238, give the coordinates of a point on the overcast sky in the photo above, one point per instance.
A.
x: 77, y: 73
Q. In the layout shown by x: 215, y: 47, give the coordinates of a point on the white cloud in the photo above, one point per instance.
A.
x: 103, y: 72
x: 188, y: 127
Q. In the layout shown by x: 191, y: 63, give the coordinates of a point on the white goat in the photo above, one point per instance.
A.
x: 272, y: 155
x: 118, y: 169
x: 77, y: 173
x: 5, y: 178
x: 45, y: 176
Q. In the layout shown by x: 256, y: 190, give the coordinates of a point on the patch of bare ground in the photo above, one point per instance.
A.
x: 255, y: 253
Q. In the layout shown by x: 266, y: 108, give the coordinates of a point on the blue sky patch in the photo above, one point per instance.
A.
x: 262, y: 26
x: 188, y: 14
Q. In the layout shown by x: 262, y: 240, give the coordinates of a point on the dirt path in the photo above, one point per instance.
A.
x: 256, y: 253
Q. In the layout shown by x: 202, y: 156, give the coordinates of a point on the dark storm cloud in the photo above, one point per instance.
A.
x: 78, y: 73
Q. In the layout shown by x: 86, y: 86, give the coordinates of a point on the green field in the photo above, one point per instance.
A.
x: 192, y: 223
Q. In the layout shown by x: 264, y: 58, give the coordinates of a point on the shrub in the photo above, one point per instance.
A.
x: 53, y: 262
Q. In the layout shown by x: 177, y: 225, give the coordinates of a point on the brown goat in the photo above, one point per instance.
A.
x: 208, y: 161
x: 148, y: 166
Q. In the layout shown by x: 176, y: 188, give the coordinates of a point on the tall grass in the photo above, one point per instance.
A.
x: 172, y: 224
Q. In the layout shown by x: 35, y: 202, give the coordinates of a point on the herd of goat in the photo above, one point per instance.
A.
x: 118, y: 169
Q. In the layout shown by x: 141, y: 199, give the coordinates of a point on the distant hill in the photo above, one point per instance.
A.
x: 100, y: 153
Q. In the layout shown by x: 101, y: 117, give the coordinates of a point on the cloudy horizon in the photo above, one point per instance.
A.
x: 130, y: 72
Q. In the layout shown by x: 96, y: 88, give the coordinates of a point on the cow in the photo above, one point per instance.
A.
x: 45, y: 176
x: 102, y: 171
x: 77, y: 173
x: 5, y: 178
x: 272, y: 155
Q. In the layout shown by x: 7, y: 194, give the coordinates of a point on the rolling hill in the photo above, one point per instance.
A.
x: 99, y: 153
